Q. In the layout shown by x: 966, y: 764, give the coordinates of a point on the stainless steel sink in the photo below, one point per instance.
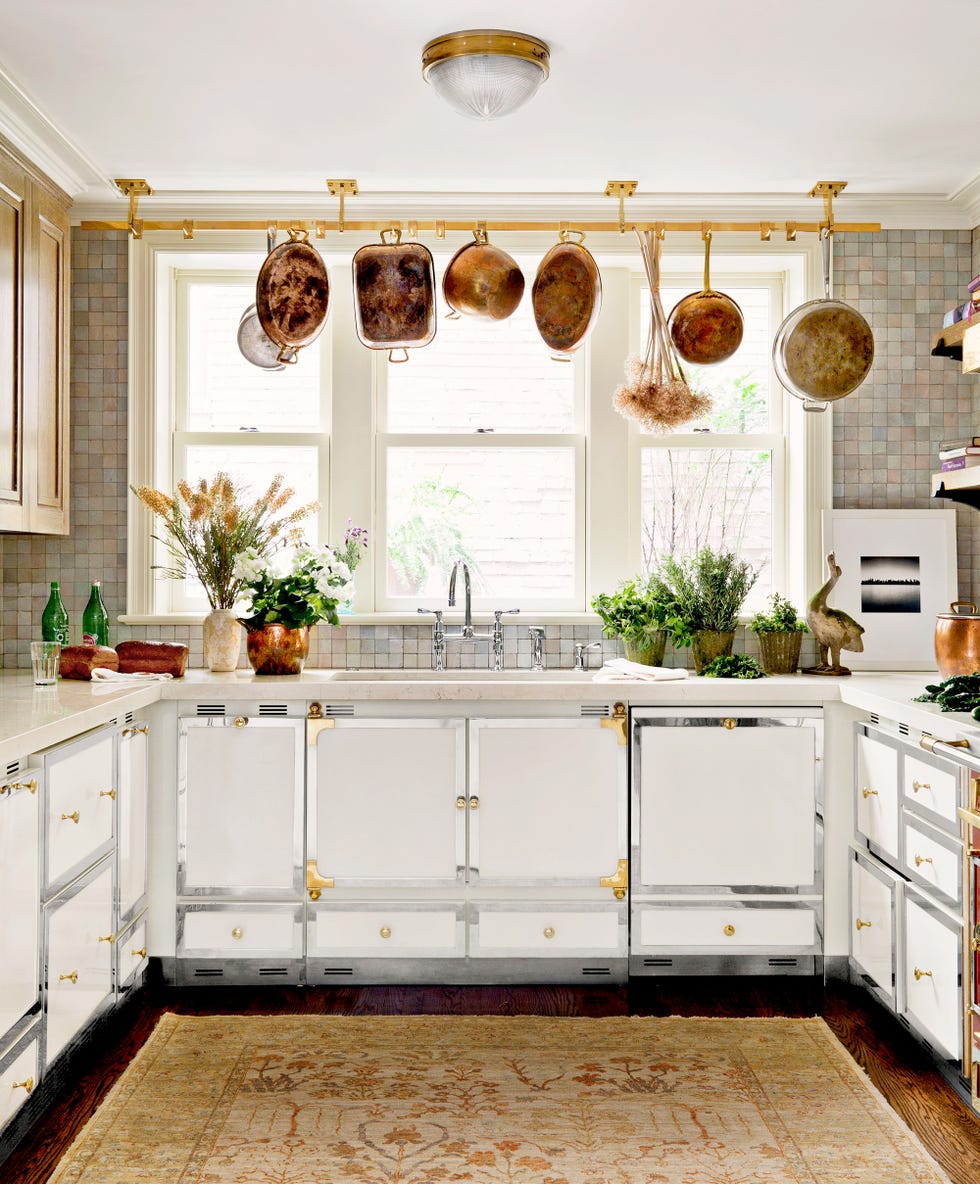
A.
x: 523, y: 676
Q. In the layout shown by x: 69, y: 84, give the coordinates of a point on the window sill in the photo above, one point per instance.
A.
x: 450, y: 616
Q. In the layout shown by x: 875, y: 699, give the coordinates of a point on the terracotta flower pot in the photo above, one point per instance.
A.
x: 780, y: 652
x: 274, y: 649
x: 649, y: 653
x: 708, y: 645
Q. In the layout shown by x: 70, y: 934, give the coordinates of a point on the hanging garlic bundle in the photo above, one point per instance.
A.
x: 656, y: 392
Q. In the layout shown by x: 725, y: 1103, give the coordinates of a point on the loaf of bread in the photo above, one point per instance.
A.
x: 78, y: 661
x: 152, y: 657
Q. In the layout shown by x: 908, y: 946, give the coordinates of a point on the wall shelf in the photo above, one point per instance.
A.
x: 948, y: 342
x: 961, y: 485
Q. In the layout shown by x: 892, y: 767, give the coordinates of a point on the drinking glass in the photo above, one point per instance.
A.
x: 44, y: 662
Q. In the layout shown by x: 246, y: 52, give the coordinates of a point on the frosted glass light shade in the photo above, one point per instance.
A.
x: 486, y: 73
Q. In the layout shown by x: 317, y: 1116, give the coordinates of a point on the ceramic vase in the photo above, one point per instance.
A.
x: 780, y: 652
x: 709, y: 644
x: 222, y: 639
x: 647, y: 652
x: 275, y: 649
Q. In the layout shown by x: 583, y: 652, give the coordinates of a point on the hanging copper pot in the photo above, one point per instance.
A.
x: 292, y: 294
x: 394, y: 294
x: 482, y: 280
x: 566, y: 294
x: 824, y: 349
x: 254, y: 343
x: 707, y: 326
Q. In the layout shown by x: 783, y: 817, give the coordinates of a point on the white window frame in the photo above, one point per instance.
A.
x: 610, y: 529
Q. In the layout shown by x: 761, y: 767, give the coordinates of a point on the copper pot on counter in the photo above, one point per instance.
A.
x: 958, y: 640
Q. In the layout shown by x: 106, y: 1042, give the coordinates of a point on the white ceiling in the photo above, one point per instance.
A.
x: 757, y: 97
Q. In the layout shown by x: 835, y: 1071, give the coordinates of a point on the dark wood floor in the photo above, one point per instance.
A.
x: 895, y: 1063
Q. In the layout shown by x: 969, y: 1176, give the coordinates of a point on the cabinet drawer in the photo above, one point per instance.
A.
x: 931, y: 788
x: 238, y: 932
x: 876, y: 787
x: 79, y: 958
x: 547, y: 931
x: 79, y: 795
x: 932, y: 974
x: 20, y: 889
x: 934, y: 860
x: 380, y: 932
x: 131, y: 953
x: 20, y: 1071
x: 728, y: 927
x: 874, y: 923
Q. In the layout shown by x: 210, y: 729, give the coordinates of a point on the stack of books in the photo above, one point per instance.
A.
x: 959, y: 454
x: 968, y: 310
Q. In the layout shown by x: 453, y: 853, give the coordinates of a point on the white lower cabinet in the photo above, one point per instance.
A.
x: 20, y: 891
x: 132, y: 811
x: 874, y: 927
x: 933, y: 949
x: 79, y: 940
x: 131, y: 956
x: 241, y: 942
x: 547, y: 930
x: 733, y: 928
x: 79, y: 796
x: 20, y: 1073
x: 385, y: 931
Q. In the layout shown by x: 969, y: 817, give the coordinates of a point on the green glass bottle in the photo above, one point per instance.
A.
x: 54, y: 619
x: 95, y: 620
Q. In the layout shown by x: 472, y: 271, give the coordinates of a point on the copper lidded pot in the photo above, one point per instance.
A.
x: 958, y: 640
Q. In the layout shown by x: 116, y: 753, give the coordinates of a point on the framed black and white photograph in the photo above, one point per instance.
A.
x: 898, y: 570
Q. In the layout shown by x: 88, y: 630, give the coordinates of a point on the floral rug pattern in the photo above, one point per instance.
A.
x: 493, y: 1100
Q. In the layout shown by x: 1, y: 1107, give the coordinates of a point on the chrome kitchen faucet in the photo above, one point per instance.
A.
x: 466, y: 632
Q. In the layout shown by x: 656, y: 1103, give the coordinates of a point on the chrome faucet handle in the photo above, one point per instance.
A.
x: 432, y: 612
x: 498, y: 636
x: 581, y: 649
x: 504, y: 612
x: 536, y: 634
x: 438, y: 638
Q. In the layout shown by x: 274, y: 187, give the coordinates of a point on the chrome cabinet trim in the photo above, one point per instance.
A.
x: 124, y: 734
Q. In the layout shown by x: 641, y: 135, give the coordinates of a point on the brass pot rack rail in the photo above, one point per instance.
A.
x: 136, y: 188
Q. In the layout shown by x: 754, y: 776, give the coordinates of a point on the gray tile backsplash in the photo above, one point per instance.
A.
x: 885, y: 438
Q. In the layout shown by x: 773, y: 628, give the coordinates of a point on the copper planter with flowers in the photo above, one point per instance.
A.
x: 277, y: 649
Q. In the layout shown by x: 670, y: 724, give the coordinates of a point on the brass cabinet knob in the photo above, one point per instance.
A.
x: 111, y: 939
x: 921, y: 974
x: 385, y: 931
x: 30, y: 786
x: 868, y: 793
x: 28, y: 1084
x: 921, y: 859
x: 474, y: 803
x: 71, y: 977
x: 859, y: 924
x: 236, y: 933
x: 240, y: 721
x: 917, y: 785
x: 140, y: 953
x: 107, y: 793
x: 729, y: 931
x: 461, y: 803
x: 549, y: 931
x: 73, y: 817
x: 728, y: 723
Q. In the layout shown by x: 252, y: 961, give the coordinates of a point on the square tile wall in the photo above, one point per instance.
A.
x: 885, y: 438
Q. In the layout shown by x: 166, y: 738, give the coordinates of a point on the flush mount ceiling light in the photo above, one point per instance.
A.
x: 485, y: 73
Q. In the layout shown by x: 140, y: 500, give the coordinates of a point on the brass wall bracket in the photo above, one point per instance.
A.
x: 315, y: 883
x: 828, y: 190
x: 617, y: 723
x: 619, y: 882
x: 347, y: 187
x: 314, y: 727
x: 622, y: 190
x: 134, y: 188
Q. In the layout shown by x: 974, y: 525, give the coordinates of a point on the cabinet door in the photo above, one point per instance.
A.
x: 547, y: 801
x: 46, y: 366
x: 132, y: 805
x: 876, y: 787
x: 79, y: 789
x: 79, y: 958
x: 20, y: 891
x: 932, y: 973
x: 13, y: 197
x: 240, y: 807
x: 387, y: 801
x: 874, y: 945
x: 725, y: 801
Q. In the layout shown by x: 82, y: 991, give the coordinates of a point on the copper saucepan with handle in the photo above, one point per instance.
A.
x: 706, y: 326
x: 482, y: 280
x: 958, y: 639
x: 824, y: 349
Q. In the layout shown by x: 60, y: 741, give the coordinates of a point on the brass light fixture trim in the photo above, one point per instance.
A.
x: 497, y: 42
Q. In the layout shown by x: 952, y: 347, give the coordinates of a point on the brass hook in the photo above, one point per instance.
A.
x: 134, y: 188
x: 480, y: 233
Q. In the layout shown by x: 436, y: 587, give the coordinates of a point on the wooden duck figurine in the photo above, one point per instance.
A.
x: 834, y: 629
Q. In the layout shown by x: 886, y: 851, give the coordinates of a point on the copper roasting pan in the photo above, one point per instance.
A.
x: 394, y: 294
x: 292, y: 294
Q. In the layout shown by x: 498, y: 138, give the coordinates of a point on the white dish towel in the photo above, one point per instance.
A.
x: 622, y: 670
x: 104, y: 679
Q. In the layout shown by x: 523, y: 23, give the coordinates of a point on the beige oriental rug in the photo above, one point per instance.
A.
x: 493, y: 1100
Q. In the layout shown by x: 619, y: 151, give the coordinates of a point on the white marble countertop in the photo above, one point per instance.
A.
x: 33, y: 718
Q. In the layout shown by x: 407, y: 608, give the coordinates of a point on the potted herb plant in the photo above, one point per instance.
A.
x: 709, y: 589
x: 643, y: 613
x: 780, y: 632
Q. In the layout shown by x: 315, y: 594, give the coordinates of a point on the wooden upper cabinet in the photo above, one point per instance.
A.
x: 34, y: 310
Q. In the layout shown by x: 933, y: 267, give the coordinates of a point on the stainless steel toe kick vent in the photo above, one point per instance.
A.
x: 276, y: 710
x: 209, y: 709
x: 338, y: 710
x: 595, y: 710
